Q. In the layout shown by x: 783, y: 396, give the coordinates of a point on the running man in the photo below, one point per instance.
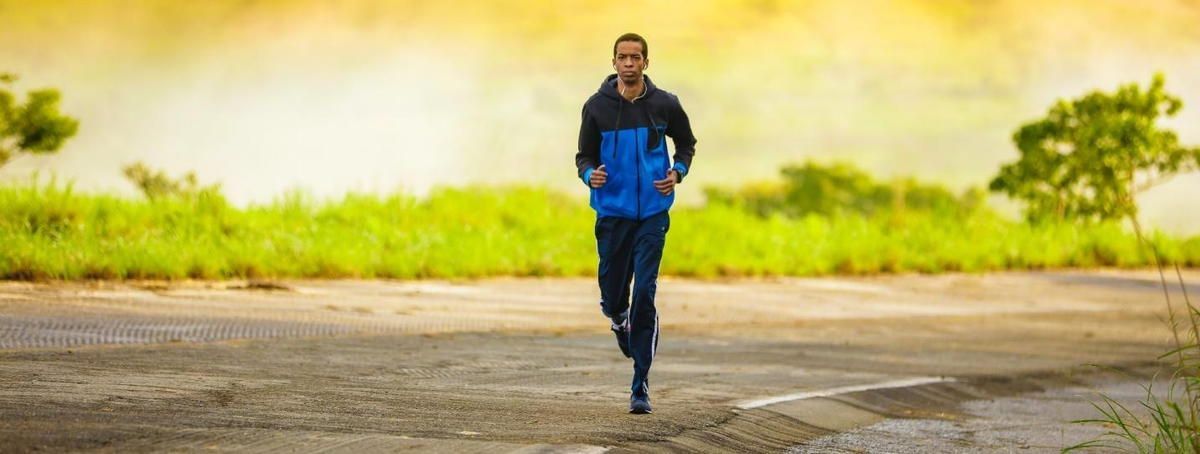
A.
x: 623, y: 159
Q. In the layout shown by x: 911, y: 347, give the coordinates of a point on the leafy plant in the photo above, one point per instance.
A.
x: 842, y: 189
x: 36, y: 126
x: 157, y: 184
x: 1089, y: 157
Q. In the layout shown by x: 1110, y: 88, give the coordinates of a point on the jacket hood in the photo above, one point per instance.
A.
x: 609, y: 87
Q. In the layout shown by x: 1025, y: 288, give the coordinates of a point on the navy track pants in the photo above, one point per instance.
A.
x: 632, y: 250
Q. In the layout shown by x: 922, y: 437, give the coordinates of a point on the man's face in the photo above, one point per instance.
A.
x: 629, y: 61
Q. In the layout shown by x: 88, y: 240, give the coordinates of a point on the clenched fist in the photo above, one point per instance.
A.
x: 599, y: 177
x: 666, y: 185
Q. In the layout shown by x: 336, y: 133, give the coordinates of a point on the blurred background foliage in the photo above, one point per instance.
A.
x: 378, y: 96
x: 416, y: 140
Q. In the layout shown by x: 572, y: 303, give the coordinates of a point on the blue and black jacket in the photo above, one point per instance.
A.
x: 627, y: 138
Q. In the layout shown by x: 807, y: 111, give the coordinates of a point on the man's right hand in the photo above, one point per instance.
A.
x: 599, y: 177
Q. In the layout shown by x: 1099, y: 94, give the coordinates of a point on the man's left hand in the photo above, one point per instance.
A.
x: 667, y: 185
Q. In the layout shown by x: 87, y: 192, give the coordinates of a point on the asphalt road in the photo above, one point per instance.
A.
x: 951, y: 363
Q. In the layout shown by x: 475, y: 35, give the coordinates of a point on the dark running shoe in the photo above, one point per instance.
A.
x: 639, y: 405
x: 622, y: 333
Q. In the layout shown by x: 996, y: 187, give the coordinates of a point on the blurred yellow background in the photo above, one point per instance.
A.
x: 267, y: 96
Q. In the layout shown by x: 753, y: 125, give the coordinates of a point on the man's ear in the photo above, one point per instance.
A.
x: 645, y: 64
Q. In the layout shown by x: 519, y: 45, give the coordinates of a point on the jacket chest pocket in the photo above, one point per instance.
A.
x: 656, y: 138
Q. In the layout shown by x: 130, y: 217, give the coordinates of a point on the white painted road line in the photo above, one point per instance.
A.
x: 902, y: 383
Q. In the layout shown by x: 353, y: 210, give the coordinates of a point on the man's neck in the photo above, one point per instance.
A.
x: 631, y: 91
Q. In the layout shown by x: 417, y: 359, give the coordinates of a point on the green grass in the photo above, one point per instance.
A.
x: 1162, y: 422
x: 48, y: 231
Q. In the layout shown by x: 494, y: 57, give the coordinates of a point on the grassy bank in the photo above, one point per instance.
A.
x: 51, y: 232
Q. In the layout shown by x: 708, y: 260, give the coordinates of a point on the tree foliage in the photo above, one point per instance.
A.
x: 37, y: 126
x: 1089, y: 157
x: 157, y: 184
x: 841, y: 188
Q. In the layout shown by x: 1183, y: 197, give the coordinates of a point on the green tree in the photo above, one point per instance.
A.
x: 34, y: 127
x: 1088, y: 158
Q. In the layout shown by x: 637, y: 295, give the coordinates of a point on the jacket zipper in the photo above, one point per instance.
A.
x: 638, y: 188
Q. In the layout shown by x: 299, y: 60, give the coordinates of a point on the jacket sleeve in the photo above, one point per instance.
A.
x: 588, y: 156
x: 679, y: 129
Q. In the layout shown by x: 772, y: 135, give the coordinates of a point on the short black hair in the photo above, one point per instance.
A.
x: 634, y: 37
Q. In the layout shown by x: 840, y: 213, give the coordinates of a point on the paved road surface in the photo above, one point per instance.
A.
x: 992, y: 362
